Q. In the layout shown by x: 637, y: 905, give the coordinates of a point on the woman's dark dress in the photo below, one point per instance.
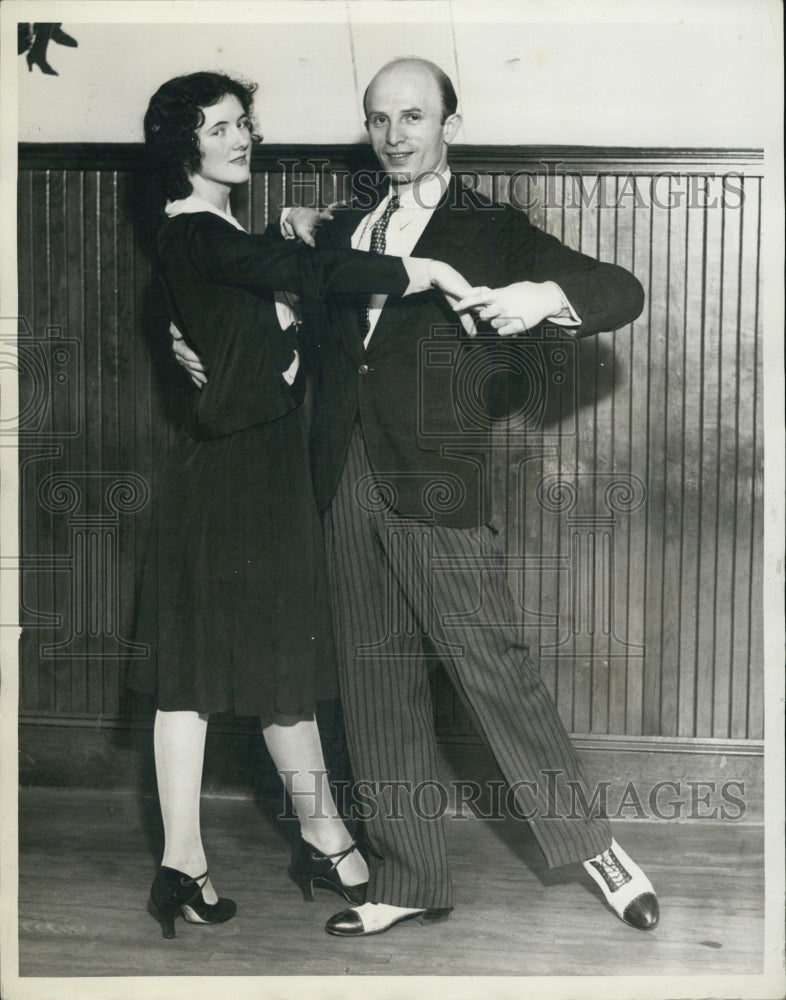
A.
x: 233, y: 603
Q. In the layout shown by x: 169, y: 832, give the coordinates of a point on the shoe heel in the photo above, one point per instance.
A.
x: 166, y: 914
x: 310, y: 867
x: 306, y: 886
x: 434, y: 916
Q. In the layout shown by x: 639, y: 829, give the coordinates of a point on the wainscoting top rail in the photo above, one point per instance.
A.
x: 539, y: 159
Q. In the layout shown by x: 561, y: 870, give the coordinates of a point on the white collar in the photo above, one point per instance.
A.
x: 193, y: 203
x: 426, y: 192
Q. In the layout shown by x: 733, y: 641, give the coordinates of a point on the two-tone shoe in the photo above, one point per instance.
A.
x: 625, y: 887
x: 351, y: 923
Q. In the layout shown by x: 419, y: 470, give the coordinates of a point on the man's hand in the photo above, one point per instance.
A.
x: 187, y: 358
x: 514, y: 308
x: 302, y: 223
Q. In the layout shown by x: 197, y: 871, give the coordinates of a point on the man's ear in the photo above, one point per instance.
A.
x: 450, y: 127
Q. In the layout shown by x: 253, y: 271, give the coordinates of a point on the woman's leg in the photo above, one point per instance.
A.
x: 294, y: 745
x: 179, y: 742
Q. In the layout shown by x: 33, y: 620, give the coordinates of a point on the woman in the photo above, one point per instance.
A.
x: 233, y: 601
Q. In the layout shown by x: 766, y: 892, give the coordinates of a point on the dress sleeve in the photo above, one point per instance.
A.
x: 226, y: 255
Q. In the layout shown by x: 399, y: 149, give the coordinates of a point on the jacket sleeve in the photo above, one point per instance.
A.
x: 605, y: 296
x: 228, y: 256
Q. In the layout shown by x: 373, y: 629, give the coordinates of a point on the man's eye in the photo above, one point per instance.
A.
x: 378, y: 121
x: 413, y: 118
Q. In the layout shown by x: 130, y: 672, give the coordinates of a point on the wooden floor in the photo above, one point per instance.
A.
x: 87, y: 860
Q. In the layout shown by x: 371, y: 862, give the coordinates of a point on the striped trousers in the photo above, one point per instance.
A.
x: 394, y: 584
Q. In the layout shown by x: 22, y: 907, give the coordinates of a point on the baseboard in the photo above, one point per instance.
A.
x: 632, y: 777
x: 649, y: 778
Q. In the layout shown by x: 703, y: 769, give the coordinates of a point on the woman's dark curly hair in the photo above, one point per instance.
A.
x: 173, y: 117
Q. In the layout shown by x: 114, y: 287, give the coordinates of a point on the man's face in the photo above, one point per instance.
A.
x: 404, y: 122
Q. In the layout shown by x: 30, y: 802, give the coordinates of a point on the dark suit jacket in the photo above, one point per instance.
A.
x: 424, y: 392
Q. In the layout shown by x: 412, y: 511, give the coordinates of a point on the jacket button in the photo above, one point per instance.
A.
x: 363, y: 369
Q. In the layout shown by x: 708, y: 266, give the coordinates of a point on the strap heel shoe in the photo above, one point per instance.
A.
x: 311, y: 867
x: 625, y: 887
x: 174, y: 892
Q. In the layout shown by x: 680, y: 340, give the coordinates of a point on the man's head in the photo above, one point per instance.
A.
x: 411, y: 118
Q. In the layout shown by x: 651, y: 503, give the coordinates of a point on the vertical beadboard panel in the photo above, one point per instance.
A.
x: 672, y: 401
x: 40, y: 312
x: 751, y: 443
x: 636, y: 461
x: 690, y: 689
x: 31, y: 694
x: 624, y: 671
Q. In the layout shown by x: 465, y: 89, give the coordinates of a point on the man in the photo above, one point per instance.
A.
x: 413, y: 553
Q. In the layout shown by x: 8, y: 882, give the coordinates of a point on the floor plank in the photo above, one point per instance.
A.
x: 87, y: 860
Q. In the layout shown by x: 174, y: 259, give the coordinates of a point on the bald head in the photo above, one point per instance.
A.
x: 418, y: 66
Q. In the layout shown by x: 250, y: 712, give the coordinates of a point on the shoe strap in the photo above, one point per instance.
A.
x: 340, y: 855
x: 198, y: 880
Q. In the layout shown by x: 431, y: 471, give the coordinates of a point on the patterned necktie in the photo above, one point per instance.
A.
x: 378, y: 242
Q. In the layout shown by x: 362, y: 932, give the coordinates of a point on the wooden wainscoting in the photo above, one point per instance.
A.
x: 633, y: 511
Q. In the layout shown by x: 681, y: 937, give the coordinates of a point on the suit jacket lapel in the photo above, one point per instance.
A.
x: 449, y: 235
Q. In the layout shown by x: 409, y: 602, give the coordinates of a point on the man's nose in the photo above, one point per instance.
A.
x: 395, y: 134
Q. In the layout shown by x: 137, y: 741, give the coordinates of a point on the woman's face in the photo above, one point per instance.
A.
x: 225, y: 143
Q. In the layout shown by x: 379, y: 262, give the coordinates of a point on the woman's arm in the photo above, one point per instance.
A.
x: 229, y: 256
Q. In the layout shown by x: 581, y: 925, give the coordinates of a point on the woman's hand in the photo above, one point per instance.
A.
x: 302, y: 223
x: 454, y: 287
x: 448, y: 280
